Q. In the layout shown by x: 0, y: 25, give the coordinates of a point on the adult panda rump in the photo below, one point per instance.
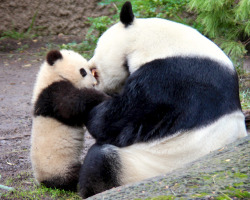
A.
x: 101, y: 170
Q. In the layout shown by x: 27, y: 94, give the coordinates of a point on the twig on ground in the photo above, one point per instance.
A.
x: 11, y: 138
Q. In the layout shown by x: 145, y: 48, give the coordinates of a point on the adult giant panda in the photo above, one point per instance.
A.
x: 179, y: 101
x: 56, y: 144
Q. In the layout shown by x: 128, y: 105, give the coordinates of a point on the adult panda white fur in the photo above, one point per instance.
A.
x: 56, y: 144
x: 179, y: 101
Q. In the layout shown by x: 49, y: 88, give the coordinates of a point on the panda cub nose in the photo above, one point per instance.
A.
x: 95, y: 83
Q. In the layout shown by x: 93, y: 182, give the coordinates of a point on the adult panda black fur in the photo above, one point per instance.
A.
x: 56, y: 144
x: 180, y: 101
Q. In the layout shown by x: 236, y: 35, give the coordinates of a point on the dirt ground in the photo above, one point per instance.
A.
x: 19, y: 63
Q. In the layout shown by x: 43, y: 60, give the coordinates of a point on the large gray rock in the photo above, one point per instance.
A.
x: 51, y: 17
x: 223, y: 174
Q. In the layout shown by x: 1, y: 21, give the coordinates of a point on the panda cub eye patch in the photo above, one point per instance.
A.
x: 83, y: 72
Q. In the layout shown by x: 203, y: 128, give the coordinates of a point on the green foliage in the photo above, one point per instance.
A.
x: 233, y: 193
x: 163, y: 197
x: 245, y: 99
x: 22, y: 48
x: 155, y: 8
x: 227, y: 23
x: 86, y: 48
x: 15, y: 35
x: 99, y: 25
x: 40, y: 193
x: 25, y: 188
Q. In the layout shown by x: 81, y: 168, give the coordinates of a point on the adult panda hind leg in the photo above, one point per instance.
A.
x: 107, y: 166
x: 100, y: 171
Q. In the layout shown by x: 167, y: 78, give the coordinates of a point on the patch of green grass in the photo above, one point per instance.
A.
x: 168, y: 197
x: 9, y: 181
x: 40, y: 192
x: 16, y: 35
x: 85, y: 48
x: 232, y: 192
x: 241, y: 194
x: 202, y: 194
x: 207, y: 177
x: 245, y: 99
x: 51, y: 46
x: 240, y: 175
x: 25, y: 188
x: 23, y: 47
x: 238, y: 184
x: 12, y: 34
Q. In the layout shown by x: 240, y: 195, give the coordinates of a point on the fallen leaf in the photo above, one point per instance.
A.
x: 28, y: 65
x: 10, y: 163
x: 221, y: 149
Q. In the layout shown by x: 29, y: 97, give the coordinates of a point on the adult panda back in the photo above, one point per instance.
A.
x: 133, y: 42
x: 175, y: 80
x: 160, y: 38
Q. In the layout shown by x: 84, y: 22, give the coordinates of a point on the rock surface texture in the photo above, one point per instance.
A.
x: 223, y: 174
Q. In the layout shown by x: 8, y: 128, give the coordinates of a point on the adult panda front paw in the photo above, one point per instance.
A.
x: 68, y: 104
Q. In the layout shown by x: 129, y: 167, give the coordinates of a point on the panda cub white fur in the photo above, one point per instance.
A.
x: 55, y: 145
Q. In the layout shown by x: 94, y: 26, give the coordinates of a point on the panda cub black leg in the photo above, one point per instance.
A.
x: 100, y: 170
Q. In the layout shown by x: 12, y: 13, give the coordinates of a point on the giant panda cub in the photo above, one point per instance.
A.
x: 56, y: 144
x: 178, y: 100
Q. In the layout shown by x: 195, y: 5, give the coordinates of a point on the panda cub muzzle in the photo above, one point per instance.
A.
x: 95, y: 74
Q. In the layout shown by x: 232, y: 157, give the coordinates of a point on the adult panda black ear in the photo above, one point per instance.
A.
x: 53, y: 56
x: 127, y: 15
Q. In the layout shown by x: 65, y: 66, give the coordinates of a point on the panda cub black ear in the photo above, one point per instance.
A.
x: 127, y: 15
x: 53, y: 56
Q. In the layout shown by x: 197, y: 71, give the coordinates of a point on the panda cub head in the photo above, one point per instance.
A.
x: 63, y: 65
x: 71, y: 66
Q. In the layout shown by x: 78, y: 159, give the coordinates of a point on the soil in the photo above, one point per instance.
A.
x: 19, y: 63
x: 51, y: 17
